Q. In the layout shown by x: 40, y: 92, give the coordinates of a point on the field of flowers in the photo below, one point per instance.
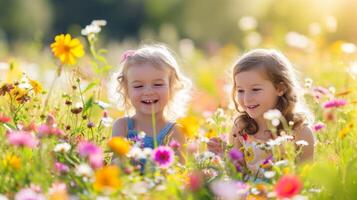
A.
x: 55, y: 126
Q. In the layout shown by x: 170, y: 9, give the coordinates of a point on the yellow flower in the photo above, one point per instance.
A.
x: 249, y: 154
x: 211, y: 133
x: 12, y: 161
x: 119, y: 145
x: 67, y: 49
x: 255, y: 197
x: 107, y: 178
x: 342, y: 134
x: 36, y: 86
x: 190, y: 126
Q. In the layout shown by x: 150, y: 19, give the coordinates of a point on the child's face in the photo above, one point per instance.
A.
x: 256, y: 93
x: 148, y: 87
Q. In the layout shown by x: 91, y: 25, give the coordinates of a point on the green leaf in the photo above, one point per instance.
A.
x: 89, y: 103
x: 90, y: 86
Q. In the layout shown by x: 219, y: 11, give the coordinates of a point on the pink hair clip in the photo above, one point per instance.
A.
x: 126, y: 55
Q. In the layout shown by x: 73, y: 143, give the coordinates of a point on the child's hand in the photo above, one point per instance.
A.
x: 216, y: 145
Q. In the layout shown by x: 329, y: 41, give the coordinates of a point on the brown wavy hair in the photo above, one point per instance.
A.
x: 281, y: 73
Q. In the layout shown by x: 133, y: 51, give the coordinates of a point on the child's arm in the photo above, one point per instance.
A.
x: 307, y: 152
x: 119, y: 128
x: 178, y: 135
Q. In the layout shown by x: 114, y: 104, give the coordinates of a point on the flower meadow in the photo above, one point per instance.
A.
x: 55, y: 132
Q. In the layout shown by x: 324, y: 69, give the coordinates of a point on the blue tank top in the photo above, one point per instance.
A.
x: 148, y: 141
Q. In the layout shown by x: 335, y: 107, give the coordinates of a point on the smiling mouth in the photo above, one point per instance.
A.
x: 148, y: 102
x: 252, y: 107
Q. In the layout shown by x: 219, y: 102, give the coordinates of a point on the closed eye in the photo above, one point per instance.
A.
x: 256, y: 89
x: 240, y: 91
x: 158, y: 84
x: 138, y: 86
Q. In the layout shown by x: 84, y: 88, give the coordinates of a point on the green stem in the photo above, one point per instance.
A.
x: 153, y: 121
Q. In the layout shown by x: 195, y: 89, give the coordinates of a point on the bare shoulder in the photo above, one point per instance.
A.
x: 119, y: 127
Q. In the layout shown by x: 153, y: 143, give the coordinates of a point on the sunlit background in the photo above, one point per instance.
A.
x: 208, y: 35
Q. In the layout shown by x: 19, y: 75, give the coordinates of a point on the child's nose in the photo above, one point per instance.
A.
x: 247, y: 97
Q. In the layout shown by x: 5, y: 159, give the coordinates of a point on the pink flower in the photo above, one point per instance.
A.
x: 335, y: 103
x: 22, y: 138
x: 174, y: 144
x: 195, y: 181
x: 163, y: 156
x: 96, y: 160
x: 318, y: 126
x: 288, y: 186
x: 28, y: 194
x: 4, y: 118
x: 127, y: 54
x: 87, y: 148
x: 61, y: 168
x: 50, y: 127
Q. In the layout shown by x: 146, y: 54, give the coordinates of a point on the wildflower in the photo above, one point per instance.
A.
x: 58, y: 191
x: 4, y: 118
x: 27, y: 193
x: 62, y: 147
x: 288, y: 186
x: 49, y: 128
x: 36, y: 86
x: 342, y: 134
x: 229, y: 189
x: 174, y: 145
x: 94, y: 27
x: 318, y: 126
x: 192, y: 147
x: 335, y: 103
x: 107, y: 178
x: 163, y: 156
x: 236, y: 155
x: 6, y: 88
x: 83, y: 170
x: 12, y: 161
x: 61, y: 168
x: 87, y: 148
x: 22, y: 138
x: 67, y: 49
x: 190, y: 125
x: 106, y: 120
x: 102, y: 104
x: 96, y: 160
x: 195, y: 181
x: 301, y: 143
x: 269, y: 174
x: 119, y: 145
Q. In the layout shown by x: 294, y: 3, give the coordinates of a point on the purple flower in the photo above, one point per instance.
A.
x: 335, y: 103
x: 236, y: 155
x: 163, y: 156
x: 22, y: 138
x: 87, y: 148
x: 318, y: 126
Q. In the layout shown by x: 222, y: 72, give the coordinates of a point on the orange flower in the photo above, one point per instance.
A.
x: 119, y: 145
x: 67, y: 49
x: 107, y: 179
x: 288, y: 186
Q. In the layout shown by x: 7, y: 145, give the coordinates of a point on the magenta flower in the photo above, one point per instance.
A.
x: 61, y: 168
x: 87, y: 148
x: 50, y: 127
x: 236, y: 155
x: 163, y: 156
x: 22, y: 138
x: 335, y: 103
x: 174, y: 144
x: 318, y: 126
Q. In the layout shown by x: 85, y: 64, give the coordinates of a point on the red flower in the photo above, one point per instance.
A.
x: 288, y: 186
x: 4, y: 118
